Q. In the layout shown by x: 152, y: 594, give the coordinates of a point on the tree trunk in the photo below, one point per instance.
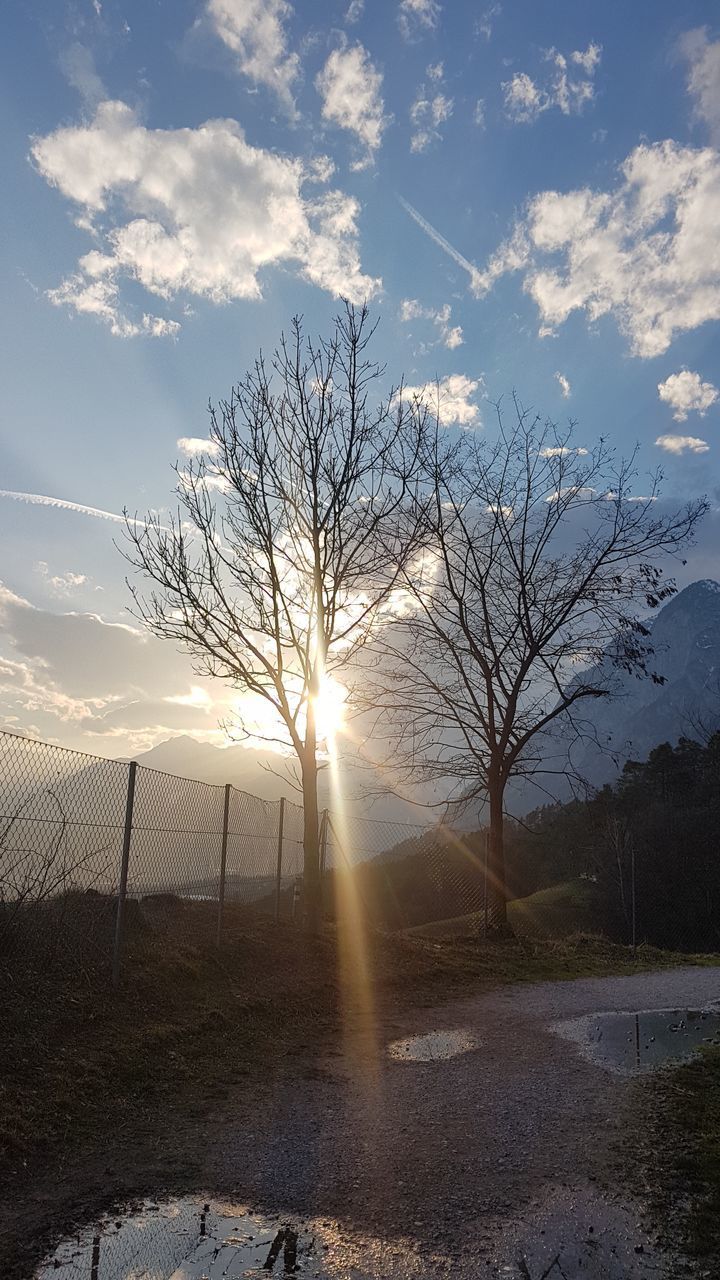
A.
x: 311, y: 847
x: 497, y: 887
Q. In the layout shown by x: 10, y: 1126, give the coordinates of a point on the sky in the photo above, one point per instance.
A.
x: 528, y: 194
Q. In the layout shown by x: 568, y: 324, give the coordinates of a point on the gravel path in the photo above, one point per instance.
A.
x: 500, y: 1161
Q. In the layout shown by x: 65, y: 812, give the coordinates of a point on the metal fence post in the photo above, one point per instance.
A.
x: 632, y: 892
x: 485, y: 877
x: 223, y: 862
x: 323, y: 840
x: 95, y: 1260
x: 122, y: 890
x: 278, y: 881
x: 323, y: 856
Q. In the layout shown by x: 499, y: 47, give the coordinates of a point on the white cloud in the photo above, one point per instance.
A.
x: 562, y: 451
x: 196, y: 211
x: 354, y: 11
x: 350, y: 89
x: 451, y: 336
x: 484, y: 24
x: 430, y: 109
x: 479, y: 113
x: 84, y: 676
x: 686, y: 393
x: 703, y: 58
x: 682, y: 444
x: 564, y: 384
x: 78, y: 66
x: 417, y: 15
x: 450, y: 398
x: 197, y: 446
x: 255, y: 32
x: 569, y: 90
x: 63, y: 584
x: 585, y: 493
x: 645, y: 253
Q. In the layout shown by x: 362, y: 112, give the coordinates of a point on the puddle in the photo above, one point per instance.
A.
x: 188, y: 1239
x: 577, y: 1233
x: 434, y: 1047
x: 632, y: 1043
x: 572, y: 1234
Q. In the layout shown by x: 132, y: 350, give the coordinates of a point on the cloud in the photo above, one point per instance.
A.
x: 83, y: 676
x: 255, y: 32
x: 451, y: 398
x: 44, y: 500
x: 417, y: 16
x: 585, y: 493
x: 451, y: 336
x: 703, y: 59
x: 682, y: 444
x: 197, y: 446
x: 63, y: 584
x: 564, y: 385
x: 486, y: 21
x: 562, y: 451
x: 570, y: 87
x: 644, y: 253
x: 354, y: 11
x: 430, y: 109
x: 195, y: 211
x: 479, y: 113
x: 350, y: 89
x: 78, y: 66
x: 686, y: 393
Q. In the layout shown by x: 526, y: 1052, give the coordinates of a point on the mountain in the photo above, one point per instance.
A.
x: 685, y: 641
x: 257, y: 771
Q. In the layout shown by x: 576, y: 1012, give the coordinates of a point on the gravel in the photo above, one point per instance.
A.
x: 503, y: 1160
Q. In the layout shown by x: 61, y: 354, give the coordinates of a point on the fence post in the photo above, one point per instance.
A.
x: 278, y: 882
x: 223, y: 861
x: 485, y: 878
x: 323, y: 841
x: 632, y: 895
x: 122, y: 890
x: 95, y: 1260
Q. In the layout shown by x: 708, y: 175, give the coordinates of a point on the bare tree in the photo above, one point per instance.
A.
x: 290, y: 538
x: 542, y: 557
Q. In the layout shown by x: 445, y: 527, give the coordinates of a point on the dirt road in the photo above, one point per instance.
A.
x: 502, y: 1160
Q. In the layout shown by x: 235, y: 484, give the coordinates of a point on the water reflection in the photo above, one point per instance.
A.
x: 437, y: 1046
x: 186, y: 1239
x: 642, y: 1041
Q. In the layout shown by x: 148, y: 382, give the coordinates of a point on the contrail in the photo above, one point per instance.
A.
x: 44, y: 500
x: 476, y: 277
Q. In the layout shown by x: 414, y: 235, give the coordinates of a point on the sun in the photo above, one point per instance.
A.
x: 330, y: 709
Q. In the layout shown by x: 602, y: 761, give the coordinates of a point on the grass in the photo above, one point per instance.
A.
x: 682, y: 1158
x: 192, y: 1030
x: 562, y: 910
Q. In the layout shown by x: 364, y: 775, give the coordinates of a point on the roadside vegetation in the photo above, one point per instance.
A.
x: 681, y: 1159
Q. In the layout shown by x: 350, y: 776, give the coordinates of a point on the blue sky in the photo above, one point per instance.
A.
x: 530, y: 193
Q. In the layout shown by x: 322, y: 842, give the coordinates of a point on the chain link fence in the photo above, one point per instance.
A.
x: 100, y: 857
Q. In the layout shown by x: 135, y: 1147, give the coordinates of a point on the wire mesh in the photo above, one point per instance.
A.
x: 61, y: 831
x: 405, y: 875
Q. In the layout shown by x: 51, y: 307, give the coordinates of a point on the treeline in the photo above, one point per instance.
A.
x: 646, y: 846
x: 659, y: 825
